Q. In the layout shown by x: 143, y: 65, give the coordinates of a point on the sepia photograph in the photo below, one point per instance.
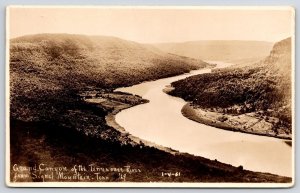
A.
x: 150, y: 96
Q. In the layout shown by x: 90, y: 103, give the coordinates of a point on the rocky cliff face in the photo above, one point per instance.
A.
x: 280, y: 57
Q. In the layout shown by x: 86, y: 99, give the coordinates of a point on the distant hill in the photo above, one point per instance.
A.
x: 220, y: 50
x: 41, y: 66
x: 263, y: 87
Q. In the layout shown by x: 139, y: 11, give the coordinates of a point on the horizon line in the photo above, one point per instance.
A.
x: 174, y: 42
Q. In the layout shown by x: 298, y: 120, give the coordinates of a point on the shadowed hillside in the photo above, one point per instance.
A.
x: 220, y: 50
x: 48, y: 66
x: 263, y: 88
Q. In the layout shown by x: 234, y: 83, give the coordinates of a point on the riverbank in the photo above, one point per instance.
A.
x: 246, y: 123
x: 86, y: 133
x: 254, y: 99
x: 115, y: 102
x: 168, y: 127
x: 57, y: 145
x: 133, y: 100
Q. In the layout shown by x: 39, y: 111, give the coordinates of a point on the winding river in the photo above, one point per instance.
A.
x: 160, y: 121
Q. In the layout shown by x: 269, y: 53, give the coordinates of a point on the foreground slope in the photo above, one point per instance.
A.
x: 260, y: 92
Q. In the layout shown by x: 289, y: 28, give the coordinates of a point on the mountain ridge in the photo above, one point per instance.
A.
x: 219, y: 50
x: 46, y: 64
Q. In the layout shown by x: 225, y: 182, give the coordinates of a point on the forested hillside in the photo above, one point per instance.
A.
x: 263, y: 88
x: 49, y: 69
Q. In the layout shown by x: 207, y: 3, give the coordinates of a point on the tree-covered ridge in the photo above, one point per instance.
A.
x: 264, y: 88
x: 52, y: 67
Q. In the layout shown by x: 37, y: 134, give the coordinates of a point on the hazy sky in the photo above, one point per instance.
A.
x: 155, y: 25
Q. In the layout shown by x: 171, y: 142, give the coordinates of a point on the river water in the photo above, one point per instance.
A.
x: 160, y: 121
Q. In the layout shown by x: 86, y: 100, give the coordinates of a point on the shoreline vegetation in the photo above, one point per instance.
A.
x: 246, y: 123
x: 116, y: 102
x: 62, y: 108
x: 253, y: 99
x: 44, y: 141
x: 132, y: 100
